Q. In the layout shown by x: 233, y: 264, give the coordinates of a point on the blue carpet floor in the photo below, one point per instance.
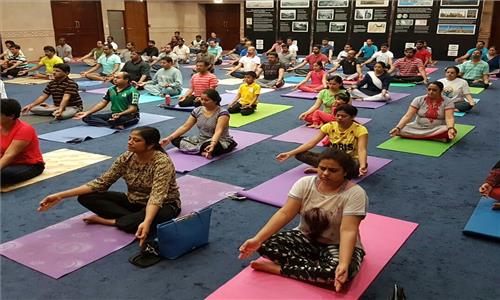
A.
x: 437, y: 262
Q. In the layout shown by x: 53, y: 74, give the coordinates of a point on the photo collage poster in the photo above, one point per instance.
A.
x: 332, y: 20
x: 294, y: 22
x: 370, y: 20
x: 260, y: 23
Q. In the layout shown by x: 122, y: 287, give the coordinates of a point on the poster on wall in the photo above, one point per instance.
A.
x: 294, y: 22
x: 370, y: 21
x: 331, y: 22
x: 260, y: 22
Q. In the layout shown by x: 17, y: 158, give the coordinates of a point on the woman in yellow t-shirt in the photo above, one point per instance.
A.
x: 344, y: 134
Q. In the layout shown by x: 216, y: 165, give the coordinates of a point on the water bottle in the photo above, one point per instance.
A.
x: 168, y: 99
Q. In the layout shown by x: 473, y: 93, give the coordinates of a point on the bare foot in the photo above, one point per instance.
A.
x: 207, y: 155
x: 95, y: 219
x: 266, y: 266
x: 311, y: 170
x: 119, y: 127
x: 496, y: 206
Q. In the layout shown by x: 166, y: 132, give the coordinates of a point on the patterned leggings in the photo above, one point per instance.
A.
x: 302, y: 259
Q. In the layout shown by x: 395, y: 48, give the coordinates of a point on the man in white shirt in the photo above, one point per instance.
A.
x: 111, y: 41
x: 182, y: 51
x: 64, y: 50
x: 292, y: 46
x: 384, y: 55
x: 344, y: 53
x: 249, y: 63
x: 164, y: 52
x: 3, y: 93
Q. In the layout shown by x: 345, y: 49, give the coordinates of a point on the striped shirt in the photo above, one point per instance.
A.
x: 201, y: 82
x: 57, y: 89
x: 474, y: 71
x: 19, y: 57
x: 408, y: 66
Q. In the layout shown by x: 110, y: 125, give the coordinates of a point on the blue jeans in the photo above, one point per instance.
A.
x: 103, y: 120
x: 17, y: 173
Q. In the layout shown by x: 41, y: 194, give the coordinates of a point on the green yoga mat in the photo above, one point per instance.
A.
x: 425, y: 147
x: 476, y: 90
x: 263, y: 110
x: 397, y: 84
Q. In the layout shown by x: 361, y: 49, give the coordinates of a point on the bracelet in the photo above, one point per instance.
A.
x: 399, y: 129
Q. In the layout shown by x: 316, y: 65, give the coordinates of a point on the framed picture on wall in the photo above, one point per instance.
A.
x: 338, y: 27
x: 333, y: 3
x: 372, y: 3
x: 457, y: 13
x: 260, y: 3
x: 294, y: 3
x: 459, y: 29
x: 376, y: 27
x: 288, y: 14
x: 412, y: 3
x: 403, y: 22
x: 300, y: 26
x: 324, y: 14
x: 459, y: 2
x: 363, y: 14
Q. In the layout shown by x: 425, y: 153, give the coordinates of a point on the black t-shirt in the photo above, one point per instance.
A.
x: 271, y: 71
x: 349, y: 66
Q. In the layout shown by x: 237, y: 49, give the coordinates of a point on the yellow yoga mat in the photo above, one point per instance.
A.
x: 31, y: 80
x: 59, y: 162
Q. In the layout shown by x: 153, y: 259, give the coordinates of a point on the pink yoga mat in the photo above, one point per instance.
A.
x: 198, y: 193
x: 66, y: 246
x: 430, y: 70
x: 101, y: 91
x: 381, y: 236
x: 376, y: 104
x: 275, y: 191
x: 301, y: 95
x: 303, y: 134
x: 186, y: 162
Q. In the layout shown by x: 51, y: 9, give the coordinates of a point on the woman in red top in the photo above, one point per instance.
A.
x: 20, y: 156
x: 317, y: 77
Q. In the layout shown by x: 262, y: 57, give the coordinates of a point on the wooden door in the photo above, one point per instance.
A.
x: 495, y: 27
x: 224, y: 20
x: 79, y: 22
x: 136, y: 23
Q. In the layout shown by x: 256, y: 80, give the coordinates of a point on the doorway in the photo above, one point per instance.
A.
x: 136, y: 23
x: 228, y: 30
x: 117, y: 27
x: 79, y: 22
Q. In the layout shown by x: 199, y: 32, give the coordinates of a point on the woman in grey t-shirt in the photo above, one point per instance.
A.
x: 326, y: 246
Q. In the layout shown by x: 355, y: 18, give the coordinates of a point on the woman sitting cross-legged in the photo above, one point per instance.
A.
x: 152, y: 197
x: 317, y: 77
x: 329, y: 98
x: 457, y: 89
x: 491, y: 186
x: 212, y: 121
x: 374, y: 86
x: 433, y: 114
x: 20, y: 155
x: 326, y: 247
x: 344, y: 134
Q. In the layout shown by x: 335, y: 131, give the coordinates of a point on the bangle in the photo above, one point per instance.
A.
x: 399, y: 129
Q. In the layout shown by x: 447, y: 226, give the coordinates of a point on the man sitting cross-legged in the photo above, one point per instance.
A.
x: 109, y: 62
x: 49, y: 61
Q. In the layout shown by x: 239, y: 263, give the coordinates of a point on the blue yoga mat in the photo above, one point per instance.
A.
x: 294, y: 79
x: 484, y: 221
x: 87, y: 83
x: 82, y: 133
x: 461, y: 113
x: 146, y: 97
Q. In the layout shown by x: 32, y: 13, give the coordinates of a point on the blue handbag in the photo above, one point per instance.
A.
x: 182, y: 235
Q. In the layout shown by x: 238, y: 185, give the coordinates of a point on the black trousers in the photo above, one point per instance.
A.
x: 479, y: 84
x: 189, y: 101
x: 17, y: 173
x: 103, y: 120
x: 218, y: 150
x: 407, y: 79
x: 128, y: 216
x: 463, y: 106
x: 236, y: 108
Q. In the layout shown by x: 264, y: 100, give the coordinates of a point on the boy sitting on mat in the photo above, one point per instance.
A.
x: 49, y: 61
x: 64, y: 92
x: 124, y: 100
x: 491, y: 186
x: 247, y: 98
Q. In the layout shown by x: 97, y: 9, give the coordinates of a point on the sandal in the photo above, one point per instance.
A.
x: 148, y: 256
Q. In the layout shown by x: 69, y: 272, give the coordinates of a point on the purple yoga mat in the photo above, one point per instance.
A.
x: 101, y: 91
x: 303, y: 133
x: 376, y: 104
x: 66, y: 246
x: 186, y: 162
x: 301, y: 95
x: 198, y: 193
x: 275, y: 191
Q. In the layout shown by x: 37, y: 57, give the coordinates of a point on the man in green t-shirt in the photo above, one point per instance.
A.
x: 124, y: 100
x: 91, y: 57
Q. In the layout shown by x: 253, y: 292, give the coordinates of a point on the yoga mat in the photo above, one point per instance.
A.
x: 484, y: 221
x: 430, y: 70
x: 275, y: 191
x: 382, y: 237
x: 230, y: 81
x: 226, y: 99
x: 301, y: 95
x: 425, y: 147
x: 66, y: 246
x: 294, y: 79
x: 399, y: 84
x: 262, y: 91
x: 87, y: 83
x: 461, y: 113
x: 27, y: 80
x: 377, y: 104
x: 185, y: 162
x: 263, y: 110
x: 476, y: 90
x: 303, y: 133
x: 59, y: 162
x: 144, y: 98
x: 82, y: 133
x: 75, y: 76
x: 101, y: 91
x: 195, y: 198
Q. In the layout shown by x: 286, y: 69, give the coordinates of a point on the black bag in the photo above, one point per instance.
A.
x: 398, y: 293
